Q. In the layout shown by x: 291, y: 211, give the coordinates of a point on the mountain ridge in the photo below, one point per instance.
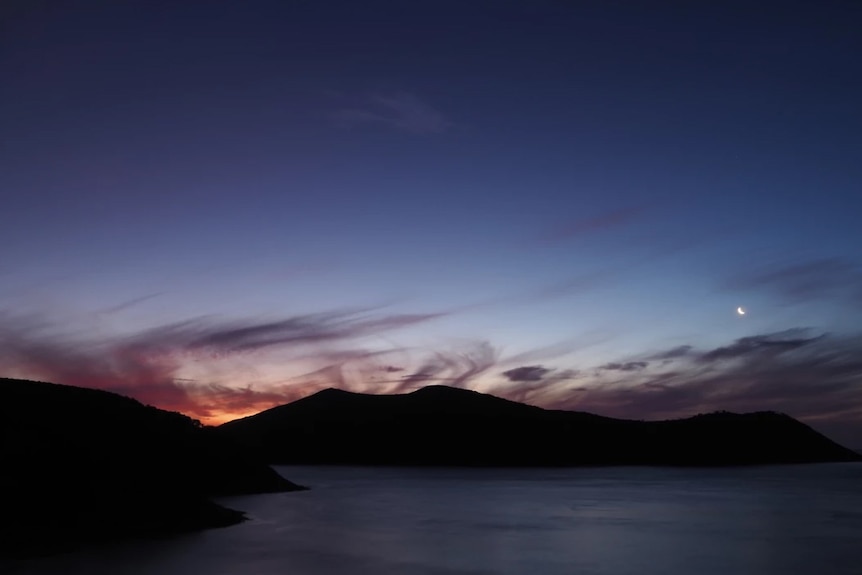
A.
x: 454, y: 426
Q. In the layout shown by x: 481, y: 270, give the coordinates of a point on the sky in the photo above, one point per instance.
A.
x: 217, y: 207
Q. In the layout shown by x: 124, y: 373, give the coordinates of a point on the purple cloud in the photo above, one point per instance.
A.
x: 146, y: 365
x: 624, y: 366
x: 818, y: 279
x: 527, y: 373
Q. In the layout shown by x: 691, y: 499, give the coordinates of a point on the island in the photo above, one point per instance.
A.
x: 446, y: 426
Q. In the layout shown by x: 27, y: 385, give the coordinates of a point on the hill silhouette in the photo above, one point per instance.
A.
x: 82, y: 465
x: 439, y: 425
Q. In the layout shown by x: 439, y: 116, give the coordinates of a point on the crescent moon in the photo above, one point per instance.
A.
x: 740, y: 311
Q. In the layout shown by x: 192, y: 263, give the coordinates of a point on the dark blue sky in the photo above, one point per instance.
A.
x: 391, y: 192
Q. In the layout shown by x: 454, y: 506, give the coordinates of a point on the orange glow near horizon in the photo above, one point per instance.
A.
x: 217, y: 418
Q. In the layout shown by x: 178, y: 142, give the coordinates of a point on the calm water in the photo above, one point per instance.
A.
x: 768, y: 520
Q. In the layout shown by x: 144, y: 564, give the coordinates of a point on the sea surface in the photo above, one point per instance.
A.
x: 783, y: 520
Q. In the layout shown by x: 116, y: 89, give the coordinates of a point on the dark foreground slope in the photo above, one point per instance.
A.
x: 440, y: 425
x: 80, y: 465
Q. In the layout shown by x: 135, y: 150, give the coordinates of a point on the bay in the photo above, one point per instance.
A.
x: 787, y: 520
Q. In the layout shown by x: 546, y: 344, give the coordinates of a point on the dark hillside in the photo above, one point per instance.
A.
x: 441, y: 425
x: 82, y: 465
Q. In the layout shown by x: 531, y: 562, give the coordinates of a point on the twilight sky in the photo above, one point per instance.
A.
x: 217, y: 206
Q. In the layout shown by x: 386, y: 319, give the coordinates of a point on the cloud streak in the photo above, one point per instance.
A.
x: 400, y: 111
x: 242, y: 336
x: 809, y: 280
x: 625, y: 366
x: 817, y: 378
x: 760, y: 346
x: 207, y: 368
x: 149, y: 365
x: 527, y: 373
x: 596, y: 224
x: 458, y: 369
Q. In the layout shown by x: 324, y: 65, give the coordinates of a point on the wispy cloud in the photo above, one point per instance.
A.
x: 457, y: 369
x: 123, y: 306
x: 816, y: 377
x: 527, y: 373
x: 813, y: 279
x: 760, y: 346
x: 625, y: 366
x: 149, y: 365
x: 671, y: 354
x: 579, y: 227
x: 239, y: 336
x: 400, y: 111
